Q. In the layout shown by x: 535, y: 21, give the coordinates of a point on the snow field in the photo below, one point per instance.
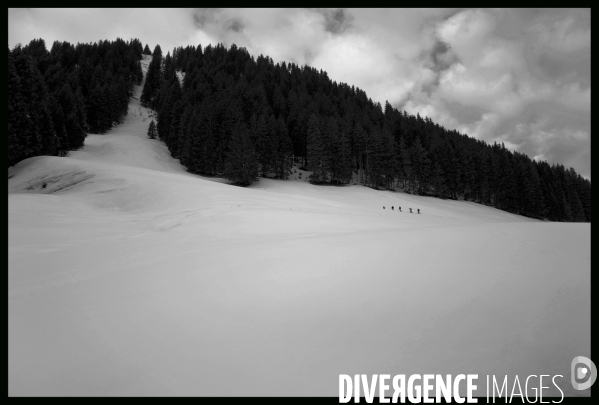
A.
x: 130, y: 276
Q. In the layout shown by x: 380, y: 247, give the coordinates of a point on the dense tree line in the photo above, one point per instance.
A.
x: 153, y: 78
x: 56, y: 97
x: 242, y: 117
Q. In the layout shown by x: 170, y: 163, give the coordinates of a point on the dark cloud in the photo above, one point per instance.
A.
x: 235, y: 24
x: 203, y: 16
x: 439, y: 49
x: 441, y: 57
x: 337, y: 21
x: 198, y: 20
x: 438, y: 58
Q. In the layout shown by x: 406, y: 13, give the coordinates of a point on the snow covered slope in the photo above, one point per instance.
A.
x: 130, y: 276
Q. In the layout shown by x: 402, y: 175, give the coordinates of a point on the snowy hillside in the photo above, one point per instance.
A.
x: 130, y: 276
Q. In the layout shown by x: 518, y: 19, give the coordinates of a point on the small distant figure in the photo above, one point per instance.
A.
x: 383, y: 207
x: 392, y: 208
x: 419, y: 210
x: 399, y: 208
x: 410, y: 210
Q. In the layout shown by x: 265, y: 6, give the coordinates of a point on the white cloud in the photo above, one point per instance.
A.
x: 563, y: 34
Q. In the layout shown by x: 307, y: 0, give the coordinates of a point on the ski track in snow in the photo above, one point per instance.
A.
x: 130, y: 276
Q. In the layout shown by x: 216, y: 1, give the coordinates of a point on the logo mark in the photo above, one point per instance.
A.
x: 582, y: 372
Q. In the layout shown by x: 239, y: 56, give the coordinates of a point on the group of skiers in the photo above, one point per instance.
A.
x: 399, y: 208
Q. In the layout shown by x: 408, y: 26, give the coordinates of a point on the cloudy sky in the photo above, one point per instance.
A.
x: 518, y: 76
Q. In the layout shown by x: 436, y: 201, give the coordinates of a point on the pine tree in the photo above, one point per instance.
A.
x: 341, y: 170
x: 388, y: 164
x: 345, y: 160
x: 438, y: 180
x: 420, y: 165
x: 152, y: 132
x: 534, y: 205
x: 166, y: 113
x: 583, y: 188
x: 316, y: 151
x: 72, y: 122
x: 147, y: 50
x: 331, y: 147
x: 264, y: 130
x: 231, y: 116
x: 283, y: 160
x: 175, y: 128
x: 483, y: 173
x: 183, y: 136
x: 153, y: 80
x: 34, y: 94
x: 59, y: 122
x: 191, y: 149
x: 576, y: 208
x: 19, y: 121
x: 205, y: 134
x: 49, y: 144
x: 405, y: 175
x: 241, y: 166
x: 453, y: 174
x: 468, y: 175
x: 376, y: 156
x: 105, y: 116
x: 506, y: 198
